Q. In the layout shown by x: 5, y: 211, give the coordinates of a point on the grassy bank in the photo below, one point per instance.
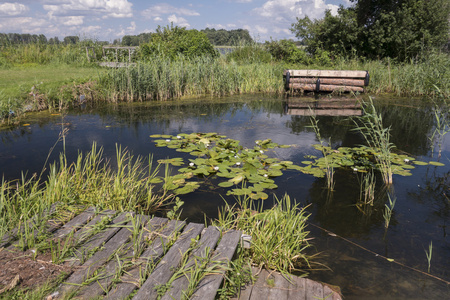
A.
x: 37, y: 82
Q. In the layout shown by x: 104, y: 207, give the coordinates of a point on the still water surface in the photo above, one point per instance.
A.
x: 421, y: 213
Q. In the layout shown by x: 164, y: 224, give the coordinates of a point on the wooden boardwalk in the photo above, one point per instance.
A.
x: 274, y: 286
x: 124, y: 255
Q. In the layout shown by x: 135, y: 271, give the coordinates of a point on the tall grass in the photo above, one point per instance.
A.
x: 161, y: 79
x: 128, y: 184
x: 414, y: 78
x: 43, y: 54
x: 279, y: 236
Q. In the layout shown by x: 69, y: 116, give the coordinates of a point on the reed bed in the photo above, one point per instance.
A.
x: 163, y: 79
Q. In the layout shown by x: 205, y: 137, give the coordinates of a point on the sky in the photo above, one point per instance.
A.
x: 107, y: 20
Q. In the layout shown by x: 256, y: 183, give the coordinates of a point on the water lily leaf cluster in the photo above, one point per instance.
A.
x: 359, y: 159
x: 246, y: 171
x: 250, y: 171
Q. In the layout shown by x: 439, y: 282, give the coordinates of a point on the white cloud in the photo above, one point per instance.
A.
x: 12, y: 9
x: 105, y: 8
x: 157, y: 19
x: 72, y: 20
x: 164, y: 9
x: 178, y: 21
x: 215, y: 26
x: 277, y: 15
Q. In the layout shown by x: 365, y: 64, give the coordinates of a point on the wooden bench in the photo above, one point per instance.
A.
x: 325, y: 81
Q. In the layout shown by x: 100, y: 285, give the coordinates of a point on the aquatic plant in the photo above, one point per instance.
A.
x: 388, y: 210
x: 367, y: 188
x: 279, y: 236
x: 370, y: 125
x: 442, y: 121
x: 326, y: 151
x: 250, y: 171
x: 225, y: 158
x: 429, y: 254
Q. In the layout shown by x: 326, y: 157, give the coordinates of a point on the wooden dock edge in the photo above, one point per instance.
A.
x: 326, y: 80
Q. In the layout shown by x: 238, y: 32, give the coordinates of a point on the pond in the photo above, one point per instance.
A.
x: 355, y: 245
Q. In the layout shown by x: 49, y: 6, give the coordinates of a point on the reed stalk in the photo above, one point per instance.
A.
x: 370, y: 125
x: 388, y: 211
x: 329, y: 167
x: 429, y: 254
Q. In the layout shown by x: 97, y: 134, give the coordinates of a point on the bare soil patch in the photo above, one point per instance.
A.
x: 24, y: 270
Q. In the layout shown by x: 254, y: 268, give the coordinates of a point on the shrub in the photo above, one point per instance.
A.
x: 173, y: 41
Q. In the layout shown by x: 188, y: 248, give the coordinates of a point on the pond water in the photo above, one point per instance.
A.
x: 355, y: 243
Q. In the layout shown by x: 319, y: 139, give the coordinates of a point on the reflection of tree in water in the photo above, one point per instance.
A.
x: 411, y: 124
x: 333, y: 127
x: 436, y: 193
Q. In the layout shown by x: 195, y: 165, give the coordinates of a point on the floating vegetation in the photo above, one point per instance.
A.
x: 219, y: 156
x: 250, y: 171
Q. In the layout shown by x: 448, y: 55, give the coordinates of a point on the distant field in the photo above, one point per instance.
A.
x: 16, y: 82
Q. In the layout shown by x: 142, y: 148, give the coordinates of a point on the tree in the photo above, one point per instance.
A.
x: 224, y: 37
x: 173, y: 41
x: 399, y: 29
x: 71, y: 39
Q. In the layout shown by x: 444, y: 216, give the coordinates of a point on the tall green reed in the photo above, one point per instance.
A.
x: 329, y: 167
x: 370, y: 125
x: 161, y: 79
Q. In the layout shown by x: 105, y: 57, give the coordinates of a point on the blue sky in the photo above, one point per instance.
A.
x: 111, y: 19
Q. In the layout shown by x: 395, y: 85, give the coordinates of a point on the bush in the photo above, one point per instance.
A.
x: 172, y: 42
x: 287, y: 51
x: 249, y: 54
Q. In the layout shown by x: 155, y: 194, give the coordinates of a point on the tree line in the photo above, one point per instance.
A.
x: 219, y: 37
x: 26, y: 38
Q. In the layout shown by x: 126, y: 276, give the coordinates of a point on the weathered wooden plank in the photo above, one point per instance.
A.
x: 246, y: 291
x: 326, y: 73
x: 261, y: 288
x: 314, y: 290
x: 325, y: 87
x: 298, y: 289
x: 335, y: 104
x: 98, y: 288
x: 281, y: 287
x: 329, y: 294
x: 334, y: 81
x: 98, y: 240
x: 96, y: 261
x: 83, y: 233
x: 50, y: 227
x: 166, y: 267
x: 130, y: 281
x: 209, y: 284
x: 323, y: 112
x: 208, y: 241
x: 75, y: 223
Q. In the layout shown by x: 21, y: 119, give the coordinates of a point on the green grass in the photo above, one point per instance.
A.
x: 279, y: 236
x: 46, y: 82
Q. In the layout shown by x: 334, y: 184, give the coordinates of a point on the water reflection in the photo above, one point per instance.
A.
x: 420, y: 215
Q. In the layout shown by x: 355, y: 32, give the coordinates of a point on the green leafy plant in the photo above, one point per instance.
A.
x: 279, y: 237
x: 224, y: 158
